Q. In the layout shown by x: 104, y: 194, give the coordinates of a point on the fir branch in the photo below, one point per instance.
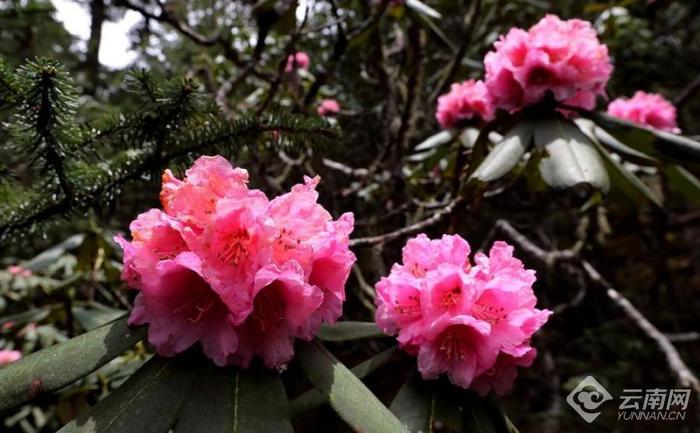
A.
x: 46, y: 116
x: 95, y: 181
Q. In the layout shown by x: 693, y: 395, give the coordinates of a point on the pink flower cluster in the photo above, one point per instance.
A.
x: 8, y: 356
x: 298, y: 60
x: 328, y: 107
x: 224, y: 266
x: 17, y: 270
x: 473, y: 322
x: 648, y: 109
x: 560, y: 57
x: 463, y: 102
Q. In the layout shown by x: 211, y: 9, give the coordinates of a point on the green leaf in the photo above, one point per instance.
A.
x: 54, y: 367
x: 437, y: 140
x: 683, y: 182
x: 654, y: 142
x: 260, y: 404
x: 346, y: 393
x: 570, y: 158
x: 506, y: 154
x: 414, y: 405
x: 423, y: 9
x: 627, y: 182
x: 236, y: 401
x: 348, y: 330
x: 625, y: 151
x: 312, y: 398
x: 483, y: 415
x: 199, y: 415
x: 94, y: 315
x: 148, y: 402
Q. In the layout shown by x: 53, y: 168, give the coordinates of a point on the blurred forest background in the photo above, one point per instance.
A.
x: 385, y: 64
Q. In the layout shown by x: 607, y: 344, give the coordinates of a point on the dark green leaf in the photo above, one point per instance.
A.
x: 683, y: 182
x: 570, y: 158
x: 312, y: 398
x: 627, y: 182
x: 482, y: 415
x: 260, y: 403
x: 94, y: 315
x: 414, y: 405
x: 57, y: 366
x: 625, y: 151
x: 199, y: 415
x: 348, y: 330
x: 148, y: 402
x: 656, y: 143
x: 506, y: 154
x: 346, y: 393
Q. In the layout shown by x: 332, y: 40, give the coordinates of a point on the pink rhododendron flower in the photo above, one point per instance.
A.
x: 473, y: 322
x: 464, y: 101
x: 8, y: 356
x: 19, y: 271
x: 225, y: 267
x: 564, y: 58
x: 298, y: 60
x: 328, y: 107
x: 648, y: 109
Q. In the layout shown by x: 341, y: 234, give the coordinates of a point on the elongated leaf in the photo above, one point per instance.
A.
x: 52, y: 254
x: 313, y: 398
x: 344, y: 331
x: 422, y: 8
x: 260, y: 404
x: 345, y: 392
x: 570, y: 158
x: 656, y: 143
x: 200, y: 414
x: 57, y: 366
x: 437, y: 140
x: 625, y: 151
x: 148, y: 402
x: 506, y: 154
x: 627, y: 182
x: 683, y: 182
x: 94, y: 315
x: 482, y: 415
x: 414, y: 405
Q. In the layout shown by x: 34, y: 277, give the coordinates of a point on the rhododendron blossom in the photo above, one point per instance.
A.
x: 564, y: 58
x: 471, y: 321
x: 242, y: 275
x: 328, y: 107
x: 298, y: 60
x: 464, y: 101
x: 8, y: 356
x: 19, y: 271
x: 648, y: 109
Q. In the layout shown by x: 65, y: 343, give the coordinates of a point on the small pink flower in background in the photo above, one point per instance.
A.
x: 328, y: 107
x: 8, y: 356
x: 464, y: 101
x: 242, y: 275
x: 564, y: 58
x: 19, y: 271
x: 298, y: 60
x: 647, y: 109
x: 473, y: 322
